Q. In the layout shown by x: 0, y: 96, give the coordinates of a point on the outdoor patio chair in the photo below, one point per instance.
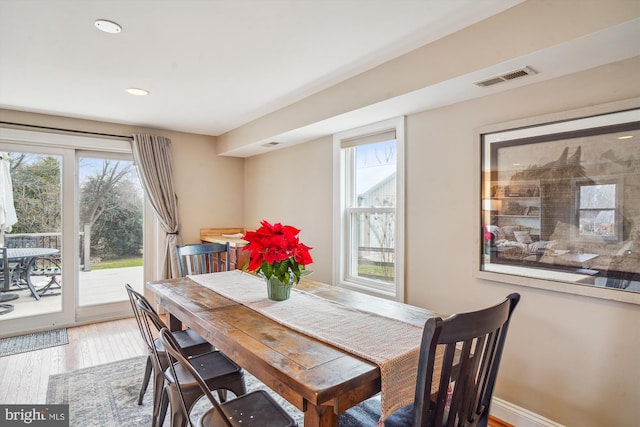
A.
x: 473, y: 344
x: 254, y: 408
x: 5, y: 283
x: 219, y: 373
x: 203, y: 258
x: 191, y: 342
x: 49, y: 268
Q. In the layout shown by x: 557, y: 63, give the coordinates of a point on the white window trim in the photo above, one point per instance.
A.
x: 339, y: 209
x: 30, y: 138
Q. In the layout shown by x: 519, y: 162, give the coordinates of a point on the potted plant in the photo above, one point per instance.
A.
x: 277, y: 254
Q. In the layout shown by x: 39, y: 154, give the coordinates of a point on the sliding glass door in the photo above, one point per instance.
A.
x: 78, y: 238
x: 37, y: 290
x: 111, y: 229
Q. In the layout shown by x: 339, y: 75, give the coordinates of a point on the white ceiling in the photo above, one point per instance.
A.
x: 210, y: 65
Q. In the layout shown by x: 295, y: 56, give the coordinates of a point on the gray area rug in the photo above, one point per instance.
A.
x: 31, y: 342
x: 106, y: 395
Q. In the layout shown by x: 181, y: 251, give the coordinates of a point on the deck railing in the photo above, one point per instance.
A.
x: 50, y: 240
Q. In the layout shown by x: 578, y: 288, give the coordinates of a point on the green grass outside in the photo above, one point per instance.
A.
x: 383, y: 273
x: 118, y: 263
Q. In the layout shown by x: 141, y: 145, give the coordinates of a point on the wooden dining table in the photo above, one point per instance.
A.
x: 317, y: 378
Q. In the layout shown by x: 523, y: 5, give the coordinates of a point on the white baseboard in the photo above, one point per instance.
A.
x: 518, y: 416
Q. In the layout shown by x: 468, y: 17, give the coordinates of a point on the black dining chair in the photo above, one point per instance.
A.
x: 203, y: 258
x: 191, y: 342
x: 218, y: 371
x: 473, y: 344
x: 256, y: 408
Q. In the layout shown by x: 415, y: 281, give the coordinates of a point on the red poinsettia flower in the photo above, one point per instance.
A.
x: 276, y: 250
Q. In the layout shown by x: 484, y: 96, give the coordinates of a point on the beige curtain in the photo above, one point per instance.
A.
x: 153, y: 160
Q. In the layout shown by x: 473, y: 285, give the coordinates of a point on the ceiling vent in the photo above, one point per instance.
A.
x: 511, y: 75
x: 270, y: 144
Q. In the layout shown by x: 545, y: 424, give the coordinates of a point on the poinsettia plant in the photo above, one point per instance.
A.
x: 276, y: 250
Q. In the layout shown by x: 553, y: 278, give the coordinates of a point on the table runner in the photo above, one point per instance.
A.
x: 359, y: 332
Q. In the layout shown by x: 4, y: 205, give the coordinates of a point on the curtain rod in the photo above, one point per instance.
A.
x: 82, y: 132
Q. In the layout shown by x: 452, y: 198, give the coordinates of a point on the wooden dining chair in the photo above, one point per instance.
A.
x: 256, y: 408
x: 473, y: 344
x: 217, y: 370
x: 203, y: 258
x: 192, y: 343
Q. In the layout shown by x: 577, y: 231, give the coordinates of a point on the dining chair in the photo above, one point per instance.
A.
x: 203, y: 258
x: 472, y: 344
x: 5, y: 283
x: 256, y: 408
x: 218, y: 371
x: 191, y: 342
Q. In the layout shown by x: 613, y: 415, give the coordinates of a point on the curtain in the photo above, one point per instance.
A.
x: 152, y: 157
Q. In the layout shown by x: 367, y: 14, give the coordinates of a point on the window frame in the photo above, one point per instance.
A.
x: 342, y: 190
x: 616, y: 209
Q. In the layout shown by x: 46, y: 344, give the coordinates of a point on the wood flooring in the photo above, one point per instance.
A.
x: 24, y: 377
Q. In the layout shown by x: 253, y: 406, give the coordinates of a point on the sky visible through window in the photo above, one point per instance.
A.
x: 374, y: 163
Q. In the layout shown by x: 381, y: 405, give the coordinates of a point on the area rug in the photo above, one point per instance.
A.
x: 106, y: 395
x: 31, y: 342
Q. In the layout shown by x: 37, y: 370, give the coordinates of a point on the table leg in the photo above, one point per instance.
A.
x: 173, y: 323
x: 25, y: 277
x: 320, y: 416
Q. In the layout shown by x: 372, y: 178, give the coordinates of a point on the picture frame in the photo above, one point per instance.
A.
x: 559, y: 202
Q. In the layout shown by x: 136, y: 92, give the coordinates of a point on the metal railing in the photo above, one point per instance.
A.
x: 51, y: 240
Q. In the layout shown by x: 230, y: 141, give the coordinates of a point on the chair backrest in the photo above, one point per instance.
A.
x: 465, y: 379
x: 149, y: 316
x: 137, y: 301
x: 176, y: 355
x: 203, y: 258
x: 23, y: 242
x: 5, y: 275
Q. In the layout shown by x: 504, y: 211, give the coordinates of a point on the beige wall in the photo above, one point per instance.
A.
x: 295, y: 187
x: 569, y: 358
x: 209, y: 187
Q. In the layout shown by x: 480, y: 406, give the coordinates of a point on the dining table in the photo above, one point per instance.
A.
x: 324, y: 350
x: 24, y: 260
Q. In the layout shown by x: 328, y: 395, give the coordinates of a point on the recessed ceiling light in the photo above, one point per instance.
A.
x: 625, y: 137
x: 107, y: 26
x: 137, y: 91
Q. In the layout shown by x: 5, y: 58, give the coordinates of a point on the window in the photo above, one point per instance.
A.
x: 597, y: 205
x: 369, y: 215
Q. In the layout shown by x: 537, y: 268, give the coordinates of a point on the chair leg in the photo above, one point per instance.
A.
x: 178, y: 417
x: 164, y: 404
x: 53, y: 284
x: 158, y: 391
x: 145, y: 380
x: 6, y: 308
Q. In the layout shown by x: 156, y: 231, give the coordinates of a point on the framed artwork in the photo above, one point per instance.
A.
x: 560, y: 205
